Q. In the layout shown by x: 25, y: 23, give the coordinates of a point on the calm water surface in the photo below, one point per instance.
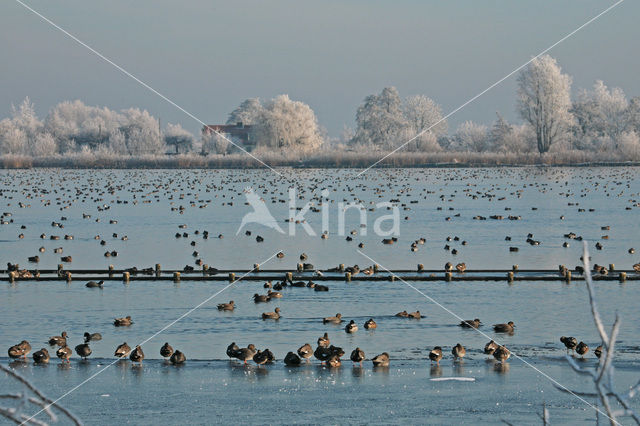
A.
x: 147, y: 206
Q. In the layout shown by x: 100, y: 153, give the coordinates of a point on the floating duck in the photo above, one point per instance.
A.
x: 352, y: 327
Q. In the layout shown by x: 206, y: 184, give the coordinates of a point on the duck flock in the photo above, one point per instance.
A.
x: 56, y: 218
x: 328, y: 354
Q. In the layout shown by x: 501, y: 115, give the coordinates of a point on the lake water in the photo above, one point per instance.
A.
x: 209, y: 388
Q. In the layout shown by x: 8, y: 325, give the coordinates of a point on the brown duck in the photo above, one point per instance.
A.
x: 166, y: 350
x: 271, y: 315
x: 177, y: 358
x: 502, y: 353
x: 122, y: 351
x: 458, y: 351
x: 246, y: 354
x: 370, y: 324
x: 41, y: 356
x: 58, y: 340
x: 474, y: 323
x: 334, y: 320
x: 324, y: 340
x: 569, y: 342
x: 137, y: 355
x: 490, y: 348
x: 357, y: 356
x: 504, y: 328
x: 227, y: 306
x: 306, y: 351
x: 582, y: 349
x: 435, y: 355
x: 381, y: 360
x: 64, y: 353
x: 123, y: 322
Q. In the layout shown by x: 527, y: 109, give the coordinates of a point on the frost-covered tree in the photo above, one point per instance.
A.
x: 629, y: 145
x: 177, y: 137
x: 471, y: 137
x: 76, y: 124
x: 246, y: 113
x: 44, y: 145
x: 142, y: 132
x: 18, y: 134
x: 601, y: 112
x: 380, y: 120
x: 215, y: 143
x: 422, y: 113
x: 287, y: 125
x: 544, y: 101
x: 118, y: 143
x: 633, y: 114
x: 13, y: 140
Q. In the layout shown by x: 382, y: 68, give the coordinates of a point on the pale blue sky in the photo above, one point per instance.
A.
x: 209, y: 55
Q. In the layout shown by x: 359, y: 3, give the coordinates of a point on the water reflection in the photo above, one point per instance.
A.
x: 435, y: 370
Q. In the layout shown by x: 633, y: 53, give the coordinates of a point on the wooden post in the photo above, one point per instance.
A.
x: 420, y: 267
x: 612, y: 267
x: 623, y: 277
x: 448, y: 276
x: 567, y: 277
x: 232, y: 277
x: 289, y: 276
x: 393, y: 278
x: 347, y: 276
x: 158, y: 270
x: 125, y: 277
x: 176, y: 277
x: 510, y: 277
x: 110, y: 271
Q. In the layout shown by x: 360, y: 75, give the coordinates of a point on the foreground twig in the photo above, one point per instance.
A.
x: 602, y: 376
x: 15, y: 413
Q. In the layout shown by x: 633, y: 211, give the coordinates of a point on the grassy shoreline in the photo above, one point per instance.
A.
x: 331, y: 160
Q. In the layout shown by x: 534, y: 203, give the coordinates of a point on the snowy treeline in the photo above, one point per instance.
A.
x: 76, y: 127
x: 600, y: 122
